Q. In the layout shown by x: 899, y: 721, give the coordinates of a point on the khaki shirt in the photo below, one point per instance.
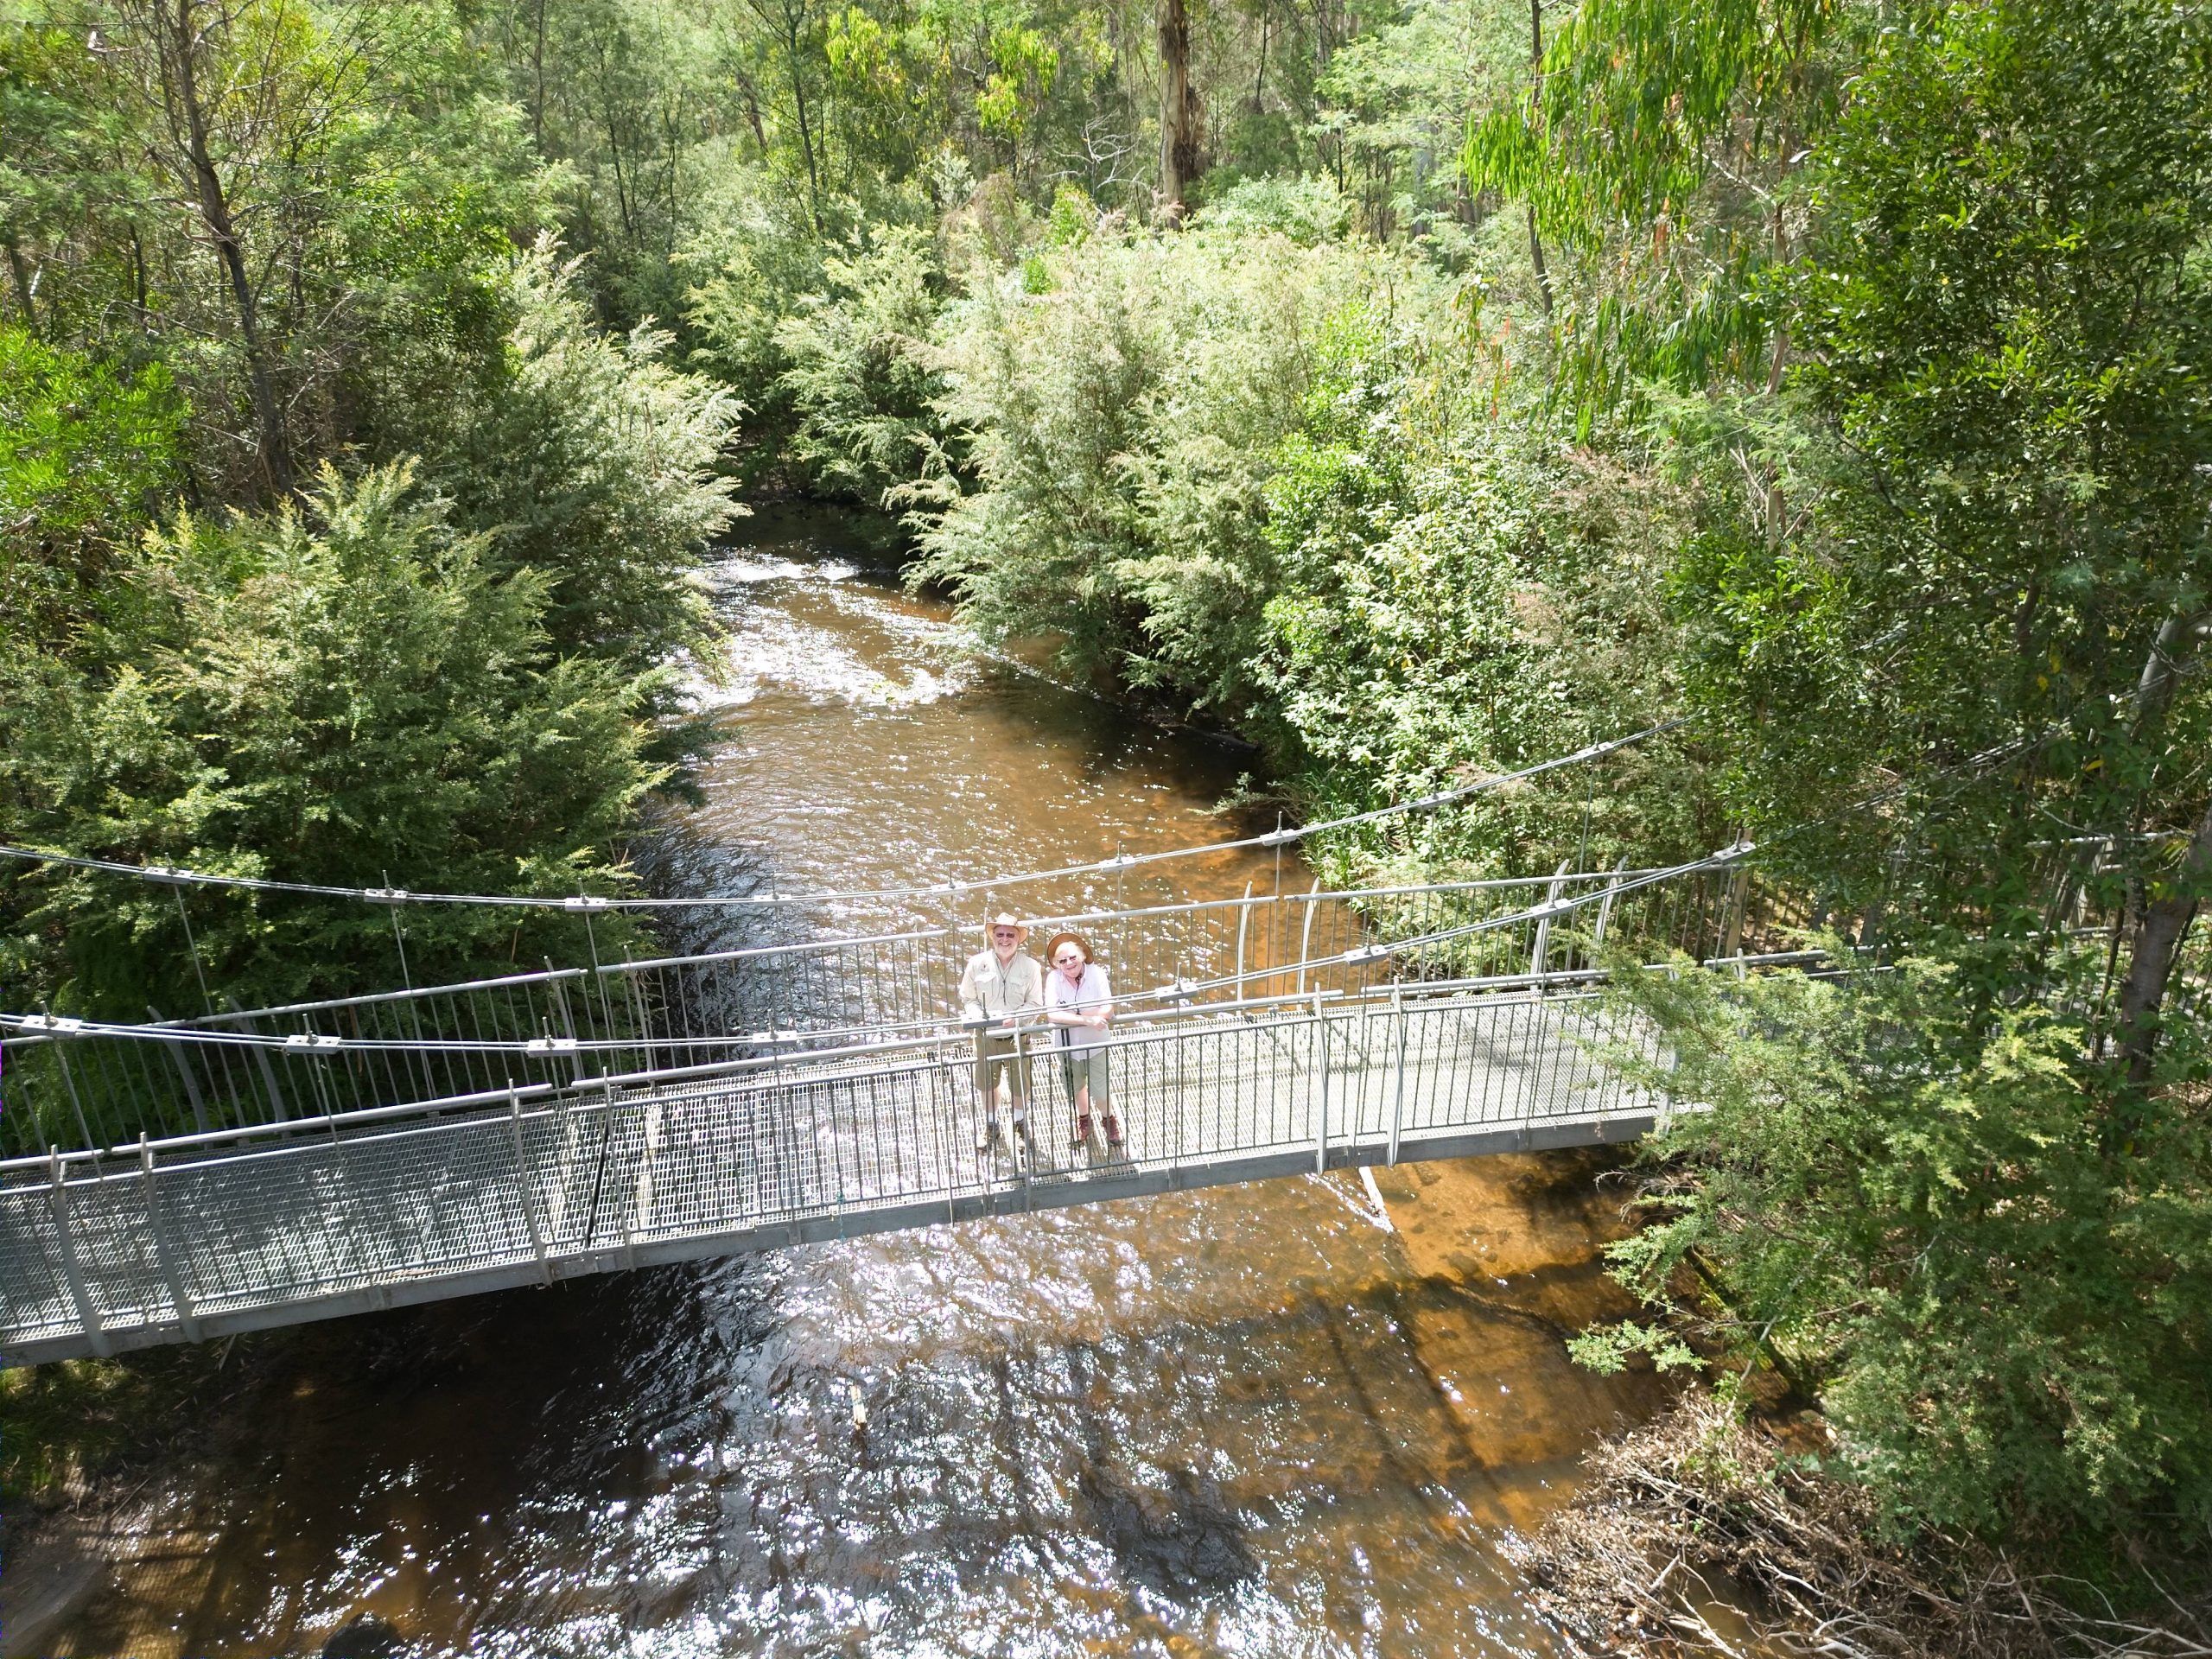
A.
x: 990, y: 992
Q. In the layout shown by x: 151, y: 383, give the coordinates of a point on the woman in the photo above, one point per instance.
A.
x: 1080, y: 1002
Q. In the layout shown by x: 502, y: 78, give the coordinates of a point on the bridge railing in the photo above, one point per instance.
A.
x: 70, y: 1088
x: 253, y: 1226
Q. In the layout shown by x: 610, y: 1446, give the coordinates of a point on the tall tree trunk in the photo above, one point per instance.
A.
x: 1179, y: 111
x: 21, y: 274
x: 1536, y: 99
x: 215, y: 213
x: 791, y: 22
x: 537, y: 83
x: 2165, y: 920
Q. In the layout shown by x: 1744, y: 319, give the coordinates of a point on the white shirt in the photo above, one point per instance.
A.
x: 1092, y: 991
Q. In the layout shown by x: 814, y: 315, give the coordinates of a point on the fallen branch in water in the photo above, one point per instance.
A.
x: 1700, y: 1535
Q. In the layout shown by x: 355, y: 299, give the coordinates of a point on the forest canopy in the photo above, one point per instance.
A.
x: 1419, y: 391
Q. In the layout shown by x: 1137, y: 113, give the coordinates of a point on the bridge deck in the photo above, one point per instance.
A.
x: 106, y: 1255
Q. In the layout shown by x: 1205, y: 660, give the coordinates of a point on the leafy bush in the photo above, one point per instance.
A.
x: 594, y: 467
x: 1987, y: 1260
x: 1461, y: 594
x: 1125, y: 406
x: 339, y: 692
x: 858, y: 377
x: 85, y: 453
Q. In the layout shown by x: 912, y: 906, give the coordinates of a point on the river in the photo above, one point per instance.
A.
x: 1272, y: 1420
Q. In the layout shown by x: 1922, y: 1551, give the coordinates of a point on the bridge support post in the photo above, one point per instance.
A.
x: 1321, y: 1030
x: 88, y: 1314
x: 178, y: 1294
x: 523, y: 1184
x: 1539, y: 956
x: 1244, y: 924
x: 184, y: 1070
x: 1398, y: 1090
x: 1605, y: 911
x: 76, y: 1100
x: 1738, y: 902
x: 1306, y: 933
x: 278, y: 1111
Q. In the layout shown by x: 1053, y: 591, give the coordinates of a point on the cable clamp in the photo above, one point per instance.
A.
x: 550, y: 1045
x: 314, y: 1039
x: 587, y: 901
x: 385, y: 895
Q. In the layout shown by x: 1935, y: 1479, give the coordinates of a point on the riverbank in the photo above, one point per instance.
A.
x: 1685, y: 1524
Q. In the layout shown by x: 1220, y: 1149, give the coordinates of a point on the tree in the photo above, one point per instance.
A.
x: 1658, y: 148
x: 1907, y: 1200
x: 86, y: 456
x: 2005, y: 546
x: 1959, y: 1193
x: 324, y: 692
x: 592, y: 464
x: 1179, y: 122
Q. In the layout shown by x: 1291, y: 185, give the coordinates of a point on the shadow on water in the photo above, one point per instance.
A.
x: 1257, y: 1419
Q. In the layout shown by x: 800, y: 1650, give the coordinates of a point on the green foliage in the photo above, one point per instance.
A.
x: 1397, y: 97
x: 1309, y: 211
x: 858, y: 377
x: 593, y: 467
x: 351, y: 151
x: 2002, y: 500
x: 322, y: 694
x: 1657, y: 149
x: 1462, y: 596
x: 1946, y: 1218
x: 86, y: 454
x: 1124, y: 417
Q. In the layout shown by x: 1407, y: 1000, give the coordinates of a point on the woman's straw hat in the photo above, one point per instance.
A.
x: 1053, y: 946
x: 1007, y: 918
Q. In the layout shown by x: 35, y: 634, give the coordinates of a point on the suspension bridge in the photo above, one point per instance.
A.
x: 257, y: 1168
x: 181, y: 1180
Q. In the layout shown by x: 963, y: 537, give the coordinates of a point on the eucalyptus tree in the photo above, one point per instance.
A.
x: 1918, y: 312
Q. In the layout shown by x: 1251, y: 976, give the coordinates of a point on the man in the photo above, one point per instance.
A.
x: 1002, y: 989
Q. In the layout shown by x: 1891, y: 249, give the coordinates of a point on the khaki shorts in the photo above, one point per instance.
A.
x: 994, y: 1055
x: 1082, y: 1066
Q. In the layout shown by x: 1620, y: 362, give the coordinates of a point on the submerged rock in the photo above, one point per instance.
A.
x: 363, y: 1637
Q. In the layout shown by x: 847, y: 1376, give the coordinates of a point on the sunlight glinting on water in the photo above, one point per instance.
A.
x: 1252, y: 1421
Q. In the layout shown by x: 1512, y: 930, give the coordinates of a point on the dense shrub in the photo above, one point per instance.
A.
x: 1955, y: 1226
x: 346, y: 691
x: 1125, y: 395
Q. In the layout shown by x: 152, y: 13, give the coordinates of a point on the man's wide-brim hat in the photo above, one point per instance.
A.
x: 1065, y: 936
x: 1006, y: 919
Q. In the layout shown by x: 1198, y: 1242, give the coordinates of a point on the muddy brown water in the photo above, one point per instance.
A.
x: 1271, y: 1419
